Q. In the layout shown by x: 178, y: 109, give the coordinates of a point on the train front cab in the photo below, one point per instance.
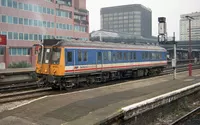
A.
x: 50, y: 63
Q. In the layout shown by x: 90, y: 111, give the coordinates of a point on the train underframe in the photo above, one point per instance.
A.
x: 77, y: 80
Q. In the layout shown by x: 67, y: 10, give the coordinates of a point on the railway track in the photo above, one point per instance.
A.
x: 192, y: 118
x: 26, y: 91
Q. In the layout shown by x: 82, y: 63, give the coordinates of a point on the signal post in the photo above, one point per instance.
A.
x: 163, y: 39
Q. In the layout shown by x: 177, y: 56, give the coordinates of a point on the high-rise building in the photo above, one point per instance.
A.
x: 25, y: 21
x: 195, y: 27
x: 135, y: 19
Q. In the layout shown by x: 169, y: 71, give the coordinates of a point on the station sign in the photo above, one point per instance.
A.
x: 3, y: 40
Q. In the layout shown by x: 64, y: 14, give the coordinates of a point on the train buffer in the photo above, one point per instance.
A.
x: 93, y: 106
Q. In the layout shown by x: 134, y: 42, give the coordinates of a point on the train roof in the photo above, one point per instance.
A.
x: 98, y: 44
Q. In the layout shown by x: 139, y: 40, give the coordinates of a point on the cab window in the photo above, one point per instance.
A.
x: 56, y: 56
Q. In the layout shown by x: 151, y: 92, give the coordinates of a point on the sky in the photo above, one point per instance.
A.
x: 171, y: 9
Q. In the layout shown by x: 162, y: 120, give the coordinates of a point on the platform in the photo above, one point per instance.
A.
x: 16, y: 70
x: 88, y: 107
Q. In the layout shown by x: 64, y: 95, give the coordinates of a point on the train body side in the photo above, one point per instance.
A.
x: 90, y: 60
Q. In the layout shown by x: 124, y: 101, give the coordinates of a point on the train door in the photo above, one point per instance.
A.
x: 70, y: 60
x: 99, y: 60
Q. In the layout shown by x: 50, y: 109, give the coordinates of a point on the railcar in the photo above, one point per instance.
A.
x: 65, y: 64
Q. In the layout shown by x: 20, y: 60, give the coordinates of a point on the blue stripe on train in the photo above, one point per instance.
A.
x: 92, y: 57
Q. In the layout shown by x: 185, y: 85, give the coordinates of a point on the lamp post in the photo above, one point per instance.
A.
x: 190, y: 48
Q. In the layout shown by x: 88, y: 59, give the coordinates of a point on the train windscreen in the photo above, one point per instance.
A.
x: 56, y: 56
x: 47, y: 53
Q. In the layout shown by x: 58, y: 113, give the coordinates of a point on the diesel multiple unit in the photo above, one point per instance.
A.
x: 65, y: 64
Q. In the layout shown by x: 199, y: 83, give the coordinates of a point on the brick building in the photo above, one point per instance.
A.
x: 28, y: 21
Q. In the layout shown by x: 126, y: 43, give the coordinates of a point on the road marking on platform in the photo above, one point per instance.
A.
x: 93, y: 89
x: 26, y: 103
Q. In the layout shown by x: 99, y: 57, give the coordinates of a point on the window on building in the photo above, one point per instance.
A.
x: 30, y: 7
x: 10, y: 35
x: 15, y: 35
x: 48, y: 10
x: 21, y: 6
x: 40, y: 23
x: 39, y: 37
x: 14, y: 4
x: 35, y: 23
x: 44, y: 24
x: 52, y: 11
x: 21, y: 37
x: 21, y: 20
x: 4, y: 18
x: 44, y: 10
x: 4, y: 33
x: 4, y: 2
x: 10, y: 19
x: 19, y: 51
x: 15, y: 20
x: 35, y: 37
x: 13, y: 51
x: 25, y: 51
x: 52, y: 25
x: 25, y: 36
x: 30, y: 22
x: 25, y: 21
x: 48, y: 24
x: 9, y: 3
x: 40, y: 9
x: 30, y: 36
x: 35, y: 8
x: 1, y: 51
x: 25, y: 6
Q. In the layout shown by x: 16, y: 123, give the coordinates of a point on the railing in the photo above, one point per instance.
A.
x: 81, y: 21
x: 81, y: 11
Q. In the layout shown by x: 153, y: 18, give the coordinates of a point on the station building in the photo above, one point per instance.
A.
x: 25, y: 22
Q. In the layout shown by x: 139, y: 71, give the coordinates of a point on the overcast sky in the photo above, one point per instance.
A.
x: 171, y: 9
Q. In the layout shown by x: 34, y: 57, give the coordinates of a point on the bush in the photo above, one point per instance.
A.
x: 22, y: 64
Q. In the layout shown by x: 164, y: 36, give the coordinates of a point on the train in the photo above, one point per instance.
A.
x: 64, y: 64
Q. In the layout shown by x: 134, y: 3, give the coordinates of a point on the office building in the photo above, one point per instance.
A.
x: 27, y: 21
x: 135, y: 19
x: 195, y: 27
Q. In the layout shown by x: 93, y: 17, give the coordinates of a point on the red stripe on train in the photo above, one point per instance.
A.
x: 78, y: 70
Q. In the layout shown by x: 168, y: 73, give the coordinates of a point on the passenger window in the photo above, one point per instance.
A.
x: 119, y: 55
x: 79, y: 56
x: 99, y: 56
x: 109, y: 55
x: 134, y: 55
x: 146, y: 55
x: 69, y: 56
x: 125, y: 56
x: 114, y: 57
x: 143, y: 55
x: 85, y: 56
x: 105, y: 55
x: 150, y: 55
x: 129, y: 56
